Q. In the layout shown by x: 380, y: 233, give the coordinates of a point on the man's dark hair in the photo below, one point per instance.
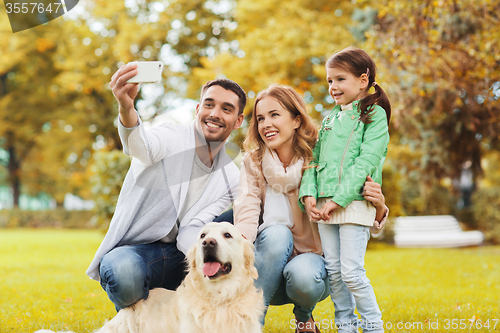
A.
x: 228, y: 85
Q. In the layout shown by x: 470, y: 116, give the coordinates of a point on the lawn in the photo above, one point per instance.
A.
x: 43, y: 285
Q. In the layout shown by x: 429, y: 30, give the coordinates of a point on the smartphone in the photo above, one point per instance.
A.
x: 147, y: 72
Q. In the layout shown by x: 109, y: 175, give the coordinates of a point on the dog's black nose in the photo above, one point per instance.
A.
x: 209, y: 242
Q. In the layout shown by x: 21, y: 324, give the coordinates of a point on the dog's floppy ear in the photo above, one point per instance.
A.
x: 249, y: 257
x: 191, y: 256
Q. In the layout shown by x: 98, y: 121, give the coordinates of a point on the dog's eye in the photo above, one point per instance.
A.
x: 228, y: 235
x: 203, y: 235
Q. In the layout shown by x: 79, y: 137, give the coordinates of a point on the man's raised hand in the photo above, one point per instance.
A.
x: 125, y: 93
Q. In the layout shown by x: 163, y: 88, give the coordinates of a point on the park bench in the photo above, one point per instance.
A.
x: 433, y: 231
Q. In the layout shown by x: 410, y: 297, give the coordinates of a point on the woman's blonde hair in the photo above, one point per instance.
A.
x: 305, y: 135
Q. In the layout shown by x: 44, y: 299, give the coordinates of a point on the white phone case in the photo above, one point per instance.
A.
x: 147, y: 72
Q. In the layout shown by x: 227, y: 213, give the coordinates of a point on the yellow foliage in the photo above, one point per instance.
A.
x: 279, y: 47
x: 44, y: 44
x: 438, y: 60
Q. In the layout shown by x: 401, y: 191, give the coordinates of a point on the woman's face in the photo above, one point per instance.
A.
x: 276, y: 124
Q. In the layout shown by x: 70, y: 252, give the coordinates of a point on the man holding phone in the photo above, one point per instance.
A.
x: 180, y: 179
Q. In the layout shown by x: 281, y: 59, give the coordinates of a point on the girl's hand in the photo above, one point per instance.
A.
x: 311, y: 210
x: 327, y: 209
x: 372, y: 192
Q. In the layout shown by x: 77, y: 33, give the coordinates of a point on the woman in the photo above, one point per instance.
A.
x: 288, y: 253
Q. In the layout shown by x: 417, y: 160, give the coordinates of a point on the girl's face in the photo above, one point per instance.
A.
x: 276, y: 124
x: 344, y: 87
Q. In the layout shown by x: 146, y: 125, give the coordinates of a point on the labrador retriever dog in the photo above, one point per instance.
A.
x: 218, y: 294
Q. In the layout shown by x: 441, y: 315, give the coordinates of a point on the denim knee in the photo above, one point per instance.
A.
x: 306, y: 277
x: 124, y: 278
x: 335, y: 278
x: 276, y: 240
x: 273, y: 247
x: 355, y: 281
x: 306, y: 281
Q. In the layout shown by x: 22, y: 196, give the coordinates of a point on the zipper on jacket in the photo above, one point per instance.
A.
x: 345, y: 150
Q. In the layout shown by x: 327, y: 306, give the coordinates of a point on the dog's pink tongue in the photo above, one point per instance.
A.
x: 211, y: 268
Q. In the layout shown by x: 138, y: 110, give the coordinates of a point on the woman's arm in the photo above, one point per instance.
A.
x: 373, y: 192
x: 308, y: 184
x: 248, y: 205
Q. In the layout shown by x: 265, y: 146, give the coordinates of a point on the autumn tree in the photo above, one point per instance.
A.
x: 56, y: 105
x: 281, y: 42
x: 441, y: 61
x: 25, y: 76
x: 438, y: 61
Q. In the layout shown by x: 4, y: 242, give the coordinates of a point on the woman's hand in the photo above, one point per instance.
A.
x: 311, y: 210
x: 378, y: 226
x: 373, y: 192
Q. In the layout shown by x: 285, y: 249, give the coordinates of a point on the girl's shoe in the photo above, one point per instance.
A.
x: 316, y: 329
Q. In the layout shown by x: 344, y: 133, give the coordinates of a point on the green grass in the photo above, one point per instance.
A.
x: 43, y: 285
x: 43, y: 282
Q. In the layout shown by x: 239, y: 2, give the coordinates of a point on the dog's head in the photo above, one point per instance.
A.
x: 221, y: 251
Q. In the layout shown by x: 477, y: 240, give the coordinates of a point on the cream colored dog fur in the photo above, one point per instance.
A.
x: 218, y: 294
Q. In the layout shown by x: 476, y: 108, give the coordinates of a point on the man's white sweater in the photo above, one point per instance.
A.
x: 155, y: 189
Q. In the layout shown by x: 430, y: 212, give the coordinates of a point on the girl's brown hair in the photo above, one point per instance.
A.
x: 305, y: 135
x: 358, y: 62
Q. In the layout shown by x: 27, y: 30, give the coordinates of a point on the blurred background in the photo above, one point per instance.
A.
x: 439, y: 61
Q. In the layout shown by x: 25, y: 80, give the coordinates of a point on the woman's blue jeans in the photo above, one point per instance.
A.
x: 302, y: 281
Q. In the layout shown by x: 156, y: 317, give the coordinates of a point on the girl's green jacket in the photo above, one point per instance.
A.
x: 346, y: 152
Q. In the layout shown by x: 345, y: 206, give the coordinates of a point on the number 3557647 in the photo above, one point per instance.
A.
x: 32, y: 7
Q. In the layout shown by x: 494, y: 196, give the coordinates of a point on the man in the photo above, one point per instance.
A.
x: 180, y: 178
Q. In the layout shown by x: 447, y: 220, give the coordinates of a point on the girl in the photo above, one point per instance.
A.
x: 352, y: 143
x: 288, y: 248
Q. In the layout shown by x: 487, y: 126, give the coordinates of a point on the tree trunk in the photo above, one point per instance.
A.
x: 14, y: 168
x: 13, y: 164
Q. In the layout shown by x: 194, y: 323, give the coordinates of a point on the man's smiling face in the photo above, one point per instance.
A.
x: 217, y: 114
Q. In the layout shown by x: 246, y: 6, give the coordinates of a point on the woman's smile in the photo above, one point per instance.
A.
x: 270, y: 135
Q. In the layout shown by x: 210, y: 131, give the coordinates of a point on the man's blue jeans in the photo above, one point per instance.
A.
x: 302, y: 281
x: 128, y: 272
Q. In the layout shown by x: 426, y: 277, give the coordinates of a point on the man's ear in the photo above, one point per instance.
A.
x: 239, y: 121
x: 197, y: 110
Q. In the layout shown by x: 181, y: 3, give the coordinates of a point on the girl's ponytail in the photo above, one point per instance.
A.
x: 380, y: 98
